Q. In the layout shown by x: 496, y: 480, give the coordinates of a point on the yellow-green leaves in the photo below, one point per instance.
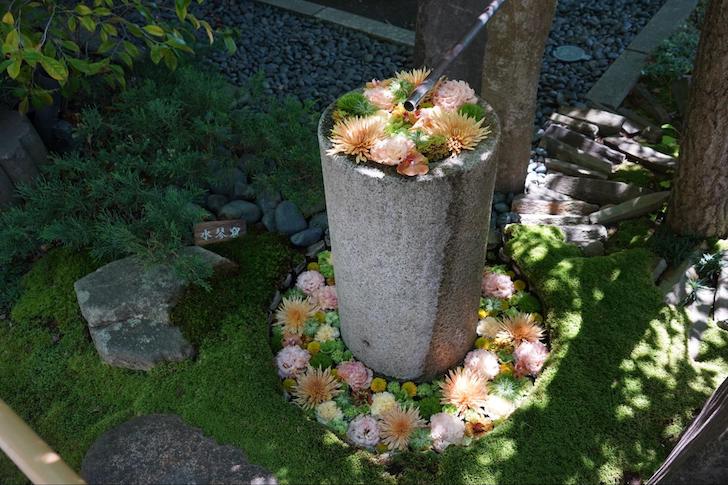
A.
x: 14, y: 67
x: 55, y: 68
x: 12, y: 41
x: 181, y: 7
x: 82, y: 9
x: 8, y: 18
x: 88, y: 23
x: 154, y: 30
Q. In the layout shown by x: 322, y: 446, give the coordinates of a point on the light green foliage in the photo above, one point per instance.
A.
x: 354, y: 104
x: 401, y: 90
x: 670, y: 141
x: 53, y: 35
x: 434, y: 147
x: 473, y: 111
x: 674, y: 58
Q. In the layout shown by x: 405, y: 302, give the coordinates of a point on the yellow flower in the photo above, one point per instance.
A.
x: 378, y: 385
x: 410, y: 388
x: 320, y: 316
x: 356, y: 136
x: 461, y: 132
x: 293, y: 313
x: 314, y: 387
x: 313, y: 266
x: 482, y: 314
x: 415, y: 76
x: 289, y: 384
x: 506, y: 368
x: 465, y: 390
x: 313, y: 348
x: 520, y: 285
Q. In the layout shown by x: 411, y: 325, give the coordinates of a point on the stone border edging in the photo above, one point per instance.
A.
x: 371, y: 27
x: 621, y: 76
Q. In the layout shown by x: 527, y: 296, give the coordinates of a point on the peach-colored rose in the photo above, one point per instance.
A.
x: 451, y: 95
x: 392, y: 151
x: 497, y: 285
x: 530, y: 357
x: 415, y: 164
x: 326, y: 298
x: 355, y: 374
x: 380, y: 96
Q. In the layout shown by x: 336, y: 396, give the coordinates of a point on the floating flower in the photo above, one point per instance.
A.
x: 314, y: 387
x: 291, y: 361
x: 380, y: 96
x: 530, y: 357
x: 356, y: 136
x: 520, y: 328
x: 464, y: 389
x: 461, y: 132
x: 415, y: 164
x: 355, y: 374
x: 488, y: 327
x: 313, y: 348
x: 309, y: 282
x: 446, y: 430
x: 483, y: 362
x: 451, y: 95
x: 392, y: 151
x: 497, y: 285
x: 397, y: 425
x: 326, y: 298
x: 291, y: 339
x: 293, y: 313
x: 328, y: 411
x: 363, y: 431
x: 381, y: 402
x: 497, y: 407
x: 326, y: 333
x: 378, y: 384
x: 415, y: 77
x: 410, y: 388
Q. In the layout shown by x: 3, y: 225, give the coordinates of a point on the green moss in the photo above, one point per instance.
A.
x: 633, y: 233
x: 632, y: 173
x: 473, y: 111
x: 355, y: 104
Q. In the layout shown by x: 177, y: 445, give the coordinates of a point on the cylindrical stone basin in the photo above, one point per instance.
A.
x: 408, y: 253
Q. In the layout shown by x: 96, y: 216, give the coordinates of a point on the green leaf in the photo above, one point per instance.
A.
x: 88, y: 23
x: 80, y: 65
x: 72, y: 23
x: 8, y: 18
x: 135, y: 30
x: 31, y: 56
x: 170, y: 59
x: 12, y: 40
x: 83, y: 9
x: 41, y: 98
x: 156, y: 53
x: 126, y: 59
x: 181, y: 8
x: 230, y: 44
x: 4, y: 64
x: 23, y: 106
x: 208, y: 29
x: 55, y: 68
x: 102, y: 11
x: 106, y: 46
x: 70, y: 45
x: 193, y: 20
x: 14, y: 67
x: 110, y: 30
x: 179, y: 43
x: 131, y: 49
x: 154, y: 30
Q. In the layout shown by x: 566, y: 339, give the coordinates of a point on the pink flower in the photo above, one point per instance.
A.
x: 445, y: 430
x: 309, y: 281
x: 392, y: 151
x: 483, y: 362
x: 530, y: 357
x: 291, y: 360
x: 424, y: 118
x: 451, y: 95
x: 363, y: 431
x: 290, y: 339
x: 355, y: 374
x: 414, y: 164
x: 497, y: 285
x: 326, y: 298
x: 380, y: 96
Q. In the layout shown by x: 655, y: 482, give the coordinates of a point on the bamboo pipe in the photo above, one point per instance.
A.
x: 30, y: 453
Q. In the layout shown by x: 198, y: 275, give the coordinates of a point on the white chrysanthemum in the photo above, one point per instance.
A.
x: 497, y: 407
x: 381, y: 402
x: 488, y: 327
x: 483, y: 362
x: 328, y: 411
x: 446, y: 430
x: 326, y: 333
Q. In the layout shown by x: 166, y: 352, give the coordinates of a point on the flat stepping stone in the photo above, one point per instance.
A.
x: 550, y: 220
x: 643, y: 155
x: 537, y: 192
x: 127, y: 307
x: 698, y: 313
x: 526, y: 205
x: 161, y: 448
x: 583, y: 127
x: 584, y: 233
x: 609, y: 123
x: 595, y: 191
x: 720, y: 306
x: 630, y: 209
x: 674, y: 283
x: 567, y: 168
x: 584, y: 143
x: 569, y: 153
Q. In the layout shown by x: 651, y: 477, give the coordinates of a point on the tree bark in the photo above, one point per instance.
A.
x: 699, y: 202
x: 513, y: 54
x: 441, y: 24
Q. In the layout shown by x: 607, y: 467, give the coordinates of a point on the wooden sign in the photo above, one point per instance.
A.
x: 218, y: 231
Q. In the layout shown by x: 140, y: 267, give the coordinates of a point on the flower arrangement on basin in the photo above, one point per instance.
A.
x: 373, y: 125
x: 321, y: 375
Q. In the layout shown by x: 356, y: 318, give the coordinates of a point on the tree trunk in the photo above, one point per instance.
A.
x: 441, y: 24
x: 513, y: 54
x: 699, y: 202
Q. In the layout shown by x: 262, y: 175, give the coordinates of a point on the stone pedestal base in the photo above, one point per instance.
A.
x: 408, y: 254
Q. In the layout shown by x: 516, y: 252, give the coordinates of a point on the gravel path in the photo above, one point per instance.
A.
x: 316, y: 60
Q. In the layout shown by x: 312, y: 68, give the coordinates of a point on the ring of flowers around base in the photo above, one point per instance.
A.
x: 321, y: 375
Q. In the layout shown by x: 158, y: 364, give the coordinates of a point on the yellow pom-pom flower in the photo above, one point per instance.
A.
x: 313, y: 348
x: 520, y: 285
x: 313, y: 266
x: 378, y: 385
x: 289, y: 384
x: 506, y: 368
x: 410, y: 388
x: 482, y: 343
x: 482, y: 314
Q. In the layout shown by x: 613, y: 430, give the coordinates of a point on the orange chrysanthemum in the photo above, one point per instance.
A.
x: 415, y: 76
x: 293, y: 313
x: 519, y: 328
x: 355, y: 136
x: 462, y: 132
x: 465, y: 390
x: 314, y: 387
x: 397, y: 425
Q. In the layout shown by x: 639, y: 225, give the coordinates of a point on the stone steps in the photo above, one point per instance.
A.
x: 594, y: 191
x: 632, y: 208
x: 551, y: 220
x: 537, y: 192
x: 584, y: 233
x: 564, y: 151
x: 527, y: 205
x: 584, y: 143
x: 567, y: 168
x: 643, y: 155
x: 609, y: 123
x: 583, y: 127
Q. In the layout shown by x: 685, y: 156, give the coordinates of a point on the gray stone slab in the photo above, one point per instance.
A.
x: 658, y: 269
x: 674, y: 283
x: 609, y: 123
x: 551, y: 220
x: 22, y: 151
x: 536, y: 192
x: 617, y: 81
x: 163, y: 449
x: 720, y: 306
x: 666, y: 21
x: 590, y: 248
x: 698, y: 313
x: 567, y: 168
x: 584, y: 232
x: 583, y: 127
x: 298, y: 6
x: 569, y: 153
x: 525, y: 205
x: 371, y: 27
x: 584, y: 143
x: 641, y: 154
x: 594, y: 191
x: 636, y: 207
